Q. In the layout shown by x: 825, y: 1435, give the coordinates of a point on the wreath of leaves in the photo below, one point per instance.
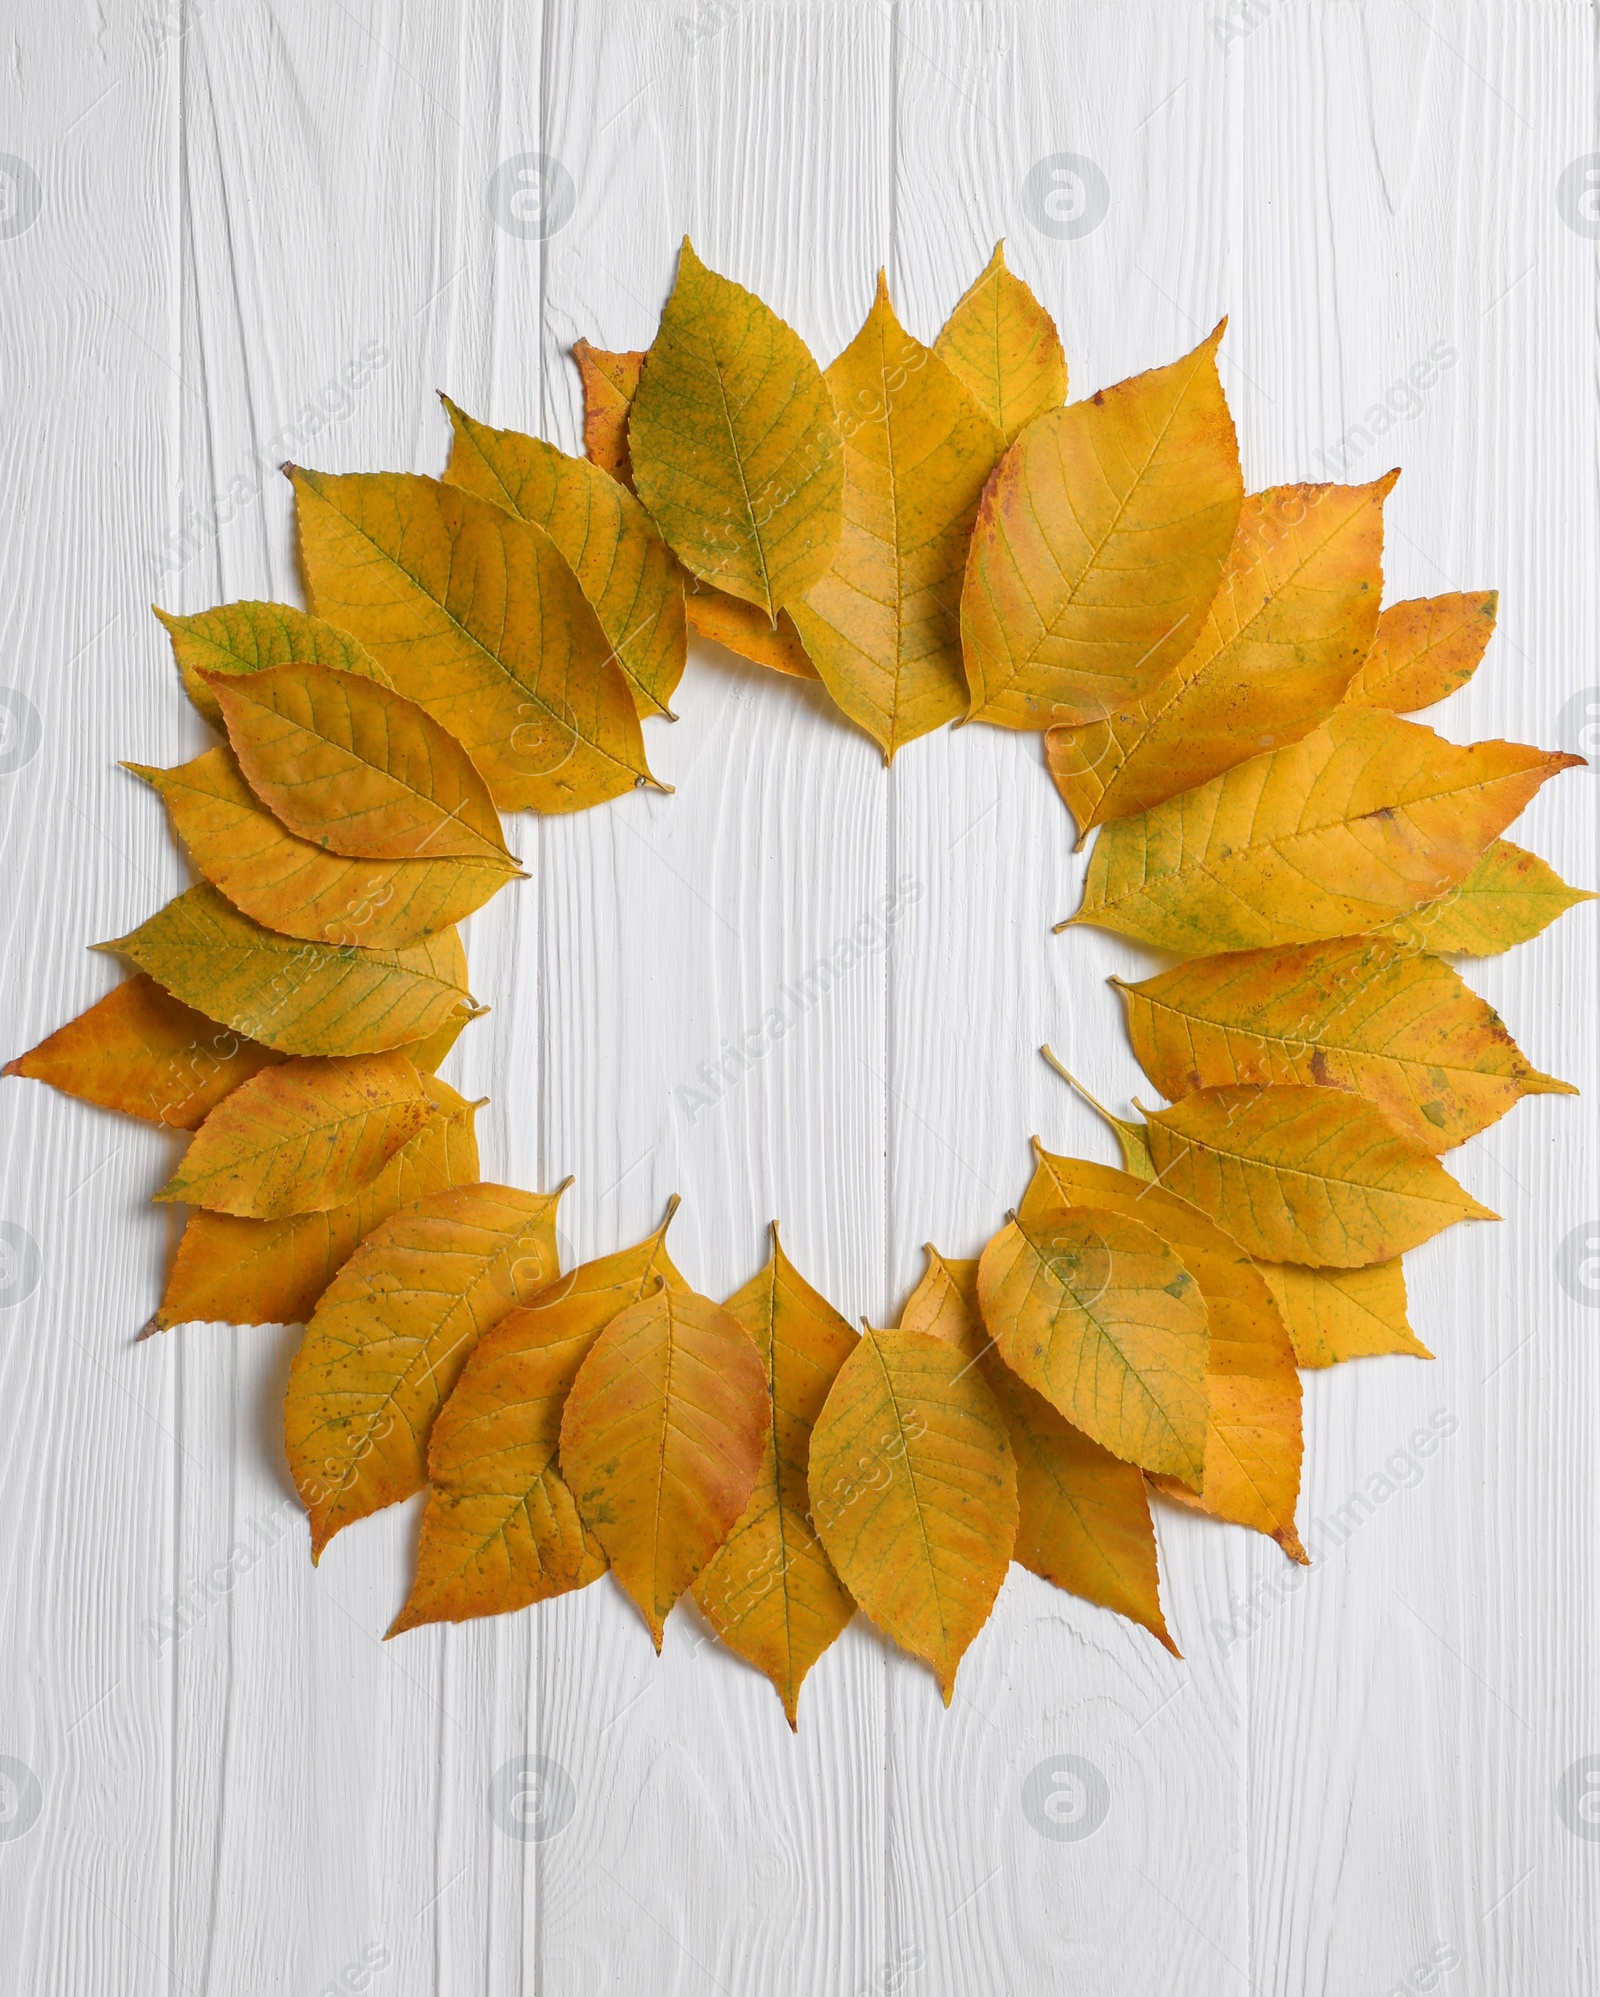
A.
x: 936, y: 535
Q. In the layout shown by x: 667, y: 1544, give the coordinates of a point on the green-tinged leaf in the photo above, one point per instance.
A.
x: 302, y: 998
x: 1508, y: 898
x: 626, y: 570
x: 249, y: 637
x: 734, y: 442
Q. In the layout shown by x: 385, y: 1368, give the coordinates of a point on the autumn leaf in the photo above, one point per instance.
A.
x: 713, y: 614
x: 1253, y: 1436
x: 1362, y: 821
x: 427, y: 1055
x: 1083, y: 1518
x: 1508, y: 898
x: 1424, y: 650
x: 300, y: 997
x: 626, y: 570
x: 478, y: 617
x: 302, y: 1137
x: 914, y: 1493
x: 883, y: 625
x: 1003, y: 347
x: 1099, y: 546
x: 1394, y: 1026
x: 390, y: 1335
x: 1339, y: 1314
x: 1096, y: 1313
x: 770, y: 1591
x: 734, y: 442
x: 610, y: 382
x: 661, y: 1441
x: 1132, y: 1140
x: 1301, y: 1174
x: 501, y: 1529
x: 293, y: 885
x: 248, y: 637
x: 359, y: 769
x: 141, y: 1051
x: 1291, y: 623
x: 230, y: 1271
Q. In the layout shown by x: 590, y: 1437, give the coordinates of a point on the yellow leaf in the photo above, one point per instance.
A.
x: 358, y: 768
x: 479, y: 618
x: 302, y: 998
x: 1363, y: 821
x: 231, y: 1271
x: 748, y: 631
x: 1424, y: 650
x: 1003, y: 347
x: 1083, y: 1517
x: 302, y: 1137
x: 1509, y: 897
x: 625, y: 568
x: 1131, y: 1139
x: 1339, y: 1314
x: 661, y: 1441
x: 427, y: 1056
x: 501, y: 1529
x: 1299, y: 1174
x: 390, y: 1335
x: 610, y: 382
x: 914, y: 1493
x: 770, y: 1591
x: 735, y: 444
x: 1396, y: 1027
x: 883, y: 625
x: 291, y: 884
x: 1291, y: 623
x: 1098, y: 547
x: 247, y: 637
x: 1253, y: 1439
x: 141, y: 1051
x: 1095, y: 1312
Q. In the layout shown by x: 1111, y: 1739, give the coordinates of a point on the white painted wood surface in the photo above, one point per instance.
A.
x: 1352, y: 1776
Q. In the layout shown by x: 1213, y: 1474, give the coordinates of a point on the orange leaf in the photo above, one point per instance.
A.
x: 141, y: 1051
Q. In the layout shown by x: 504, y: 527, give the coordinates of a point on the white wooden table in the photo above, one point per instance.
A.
x: 238, y: 231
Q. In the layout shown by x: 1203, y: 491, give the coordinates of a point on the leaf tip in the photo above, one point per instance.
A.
x: 156, y: 1323
x: 1385, y: 485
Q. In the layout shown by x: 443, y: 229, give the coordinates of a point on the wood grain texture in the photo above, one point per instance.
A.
x: 272, y: 233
